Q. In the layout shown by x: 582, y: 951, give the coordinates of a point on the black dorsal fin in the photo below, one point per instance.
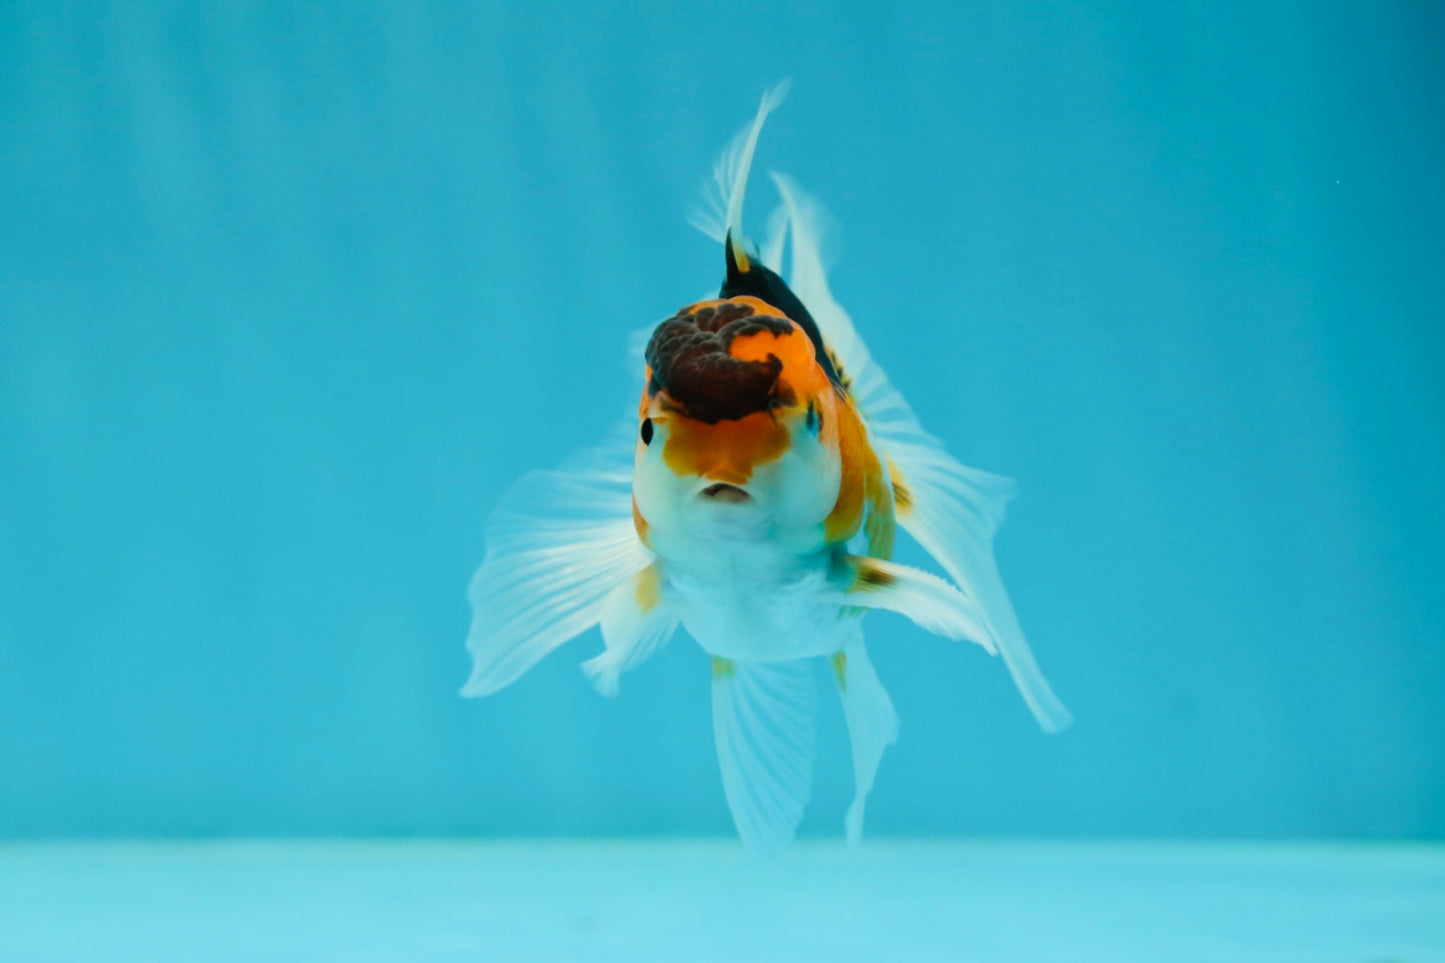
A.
x: 748, y: 277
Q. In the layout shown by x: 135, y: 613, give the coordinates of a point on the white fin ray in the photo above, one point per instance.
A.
x: 557, y: 543
x: 722, y: 208
x: 955, y: 510
x: 872, y: 725
x: 807, y: 274
x: 631, y: 631
x: 929, y: 602
x: 763, y: 726
x: 954, y: 514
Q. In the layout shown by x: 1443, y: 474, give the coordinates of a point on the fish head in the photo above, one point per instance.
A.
x: 737, y: 434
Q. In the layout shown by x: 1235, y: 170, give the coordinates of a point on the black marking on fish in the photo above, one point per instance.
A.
x: 759, y: 281
x: 688, y: 354
x: 902, y: 494
x: 869, y: 577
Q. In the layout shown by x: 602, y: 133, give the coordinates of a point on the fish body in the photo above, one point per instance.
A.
x: 757, y: 505
x: 749, y: 480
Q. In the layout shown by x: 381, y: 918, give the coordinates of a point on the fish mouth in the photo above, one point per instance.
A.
x: 723, y: 492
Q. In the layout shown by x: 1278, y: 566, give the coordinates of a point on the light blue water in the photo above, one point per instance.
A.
x: 290, y: 294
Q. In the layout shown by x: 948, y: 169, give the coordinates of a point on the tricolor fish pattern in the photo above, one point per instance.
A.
x: 769, y: 466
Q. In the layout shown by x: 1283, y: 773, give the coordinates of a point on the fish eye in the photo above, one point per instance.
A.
x: 647, y: 431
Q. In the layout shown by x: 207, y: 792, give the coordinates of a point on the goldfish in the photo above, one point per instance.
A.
x: 754, y: 499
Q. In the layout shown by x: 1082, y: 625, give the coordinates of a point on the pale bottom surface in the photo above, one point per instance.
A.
x: 701, y: 901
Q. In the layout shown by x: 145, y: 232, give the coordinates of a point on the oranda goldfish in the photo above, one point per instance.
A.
x: 756, y: 506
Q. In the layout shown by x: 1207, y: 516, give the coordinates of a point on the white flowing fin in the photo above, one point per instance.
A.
x: 557, y: 543
x: 952, y: 510
x: 636, y: 622
x: 722, y: 209
x: 807, y: 276
x: 872, y: 724
x: 926, y: 600
x: 763, y: 724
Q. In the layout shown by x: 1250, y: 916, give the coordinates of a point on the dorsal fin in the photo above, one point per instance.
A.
x: 721, y: 219
x: 722, y: 210
x: 747, y: 276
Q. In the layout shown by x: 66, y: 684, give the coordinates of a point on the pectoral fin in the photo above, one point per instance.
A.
x: 926, y: 600
x: 636, y: 622
x: 557, y: 544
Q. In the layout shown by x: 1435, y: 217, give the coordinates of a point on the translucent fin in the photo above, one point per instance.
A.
x: 953, y: 513
x: 763, y: 725
x: 872, y: 724
x: 722, y: 208
x: 952, y: 510
x: 557, y: 543
x: 636, y: 622
x: 925, y: 600
x: 808, y: 223
x: 771, y: 253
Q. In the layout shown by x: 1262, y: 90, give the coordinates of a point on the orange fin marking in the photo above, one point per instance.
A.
x: 638, y: 522
x: 880, y: 525
x: 902, y: 494
x: 861, y: 484
x: 649, y: 589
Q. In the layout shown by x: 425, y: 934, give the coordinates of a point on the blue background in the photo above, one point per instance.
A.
x: 290, y: 294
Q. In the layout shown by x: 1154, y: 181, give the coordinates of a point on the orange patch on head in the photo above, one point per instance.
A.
x: 802, y: 376
x: 715, y: 442
x: 727, y: 451
x: 690, y: 360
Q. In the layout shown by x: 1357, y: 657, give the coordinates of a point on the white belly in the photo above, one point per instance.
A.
x: 754, y: 601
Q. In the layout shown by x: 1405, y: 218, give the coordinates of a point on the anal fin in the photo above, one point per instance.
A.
x: 763, y: 726
x: 636, y: 622
x: 872, y: 724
